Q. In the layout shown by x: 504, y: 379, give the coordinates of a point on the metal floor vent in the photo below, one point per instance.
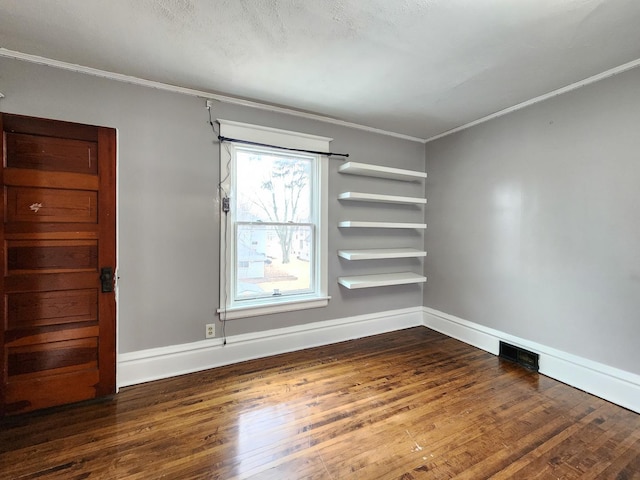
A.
x: 519, y: 355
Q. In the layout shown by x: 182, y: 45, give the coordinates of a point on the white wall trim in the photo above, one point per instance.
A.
x: 612, y: 384
x: 164, y: 362
x: 574, y: 86
x: 4, y: 52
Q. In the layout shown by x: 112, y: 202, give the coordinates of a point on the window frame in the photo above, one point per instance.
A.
x: 229, y: 309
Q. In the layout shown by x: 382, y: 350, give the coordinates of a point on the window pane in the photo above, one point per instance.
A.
x: 273, y: 260
x: 273, y: 187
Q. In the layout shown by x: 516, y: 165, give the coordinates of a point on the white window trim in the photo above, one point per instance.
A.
x: 289, y: 139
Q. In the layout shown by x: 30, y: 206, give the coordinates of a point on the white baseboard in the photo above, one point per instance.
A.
x: 609, y: 383
x: 156, y: 363
x: 612, y: 384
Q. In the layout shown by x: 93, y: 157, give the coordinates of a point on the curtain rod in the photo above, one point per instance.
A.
x: 247, y: 142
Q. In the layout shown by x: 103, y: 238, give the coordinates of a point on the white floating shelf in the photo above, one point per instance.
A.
x: 380, y: 280
x: 380, y: 253
x: 356, y: 224
x: 364, y: 169
x: 376, y: 197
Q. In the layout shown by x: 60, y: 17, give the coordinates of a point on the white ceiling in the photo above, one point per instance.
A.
x: 417, y: 67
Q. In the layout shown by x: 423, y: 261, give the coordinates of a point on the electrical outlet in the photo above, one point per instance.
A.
x: 210, y: 330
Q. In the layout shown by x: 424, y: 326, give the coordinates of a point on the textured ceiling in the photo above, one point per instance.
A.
x: 417, y: 67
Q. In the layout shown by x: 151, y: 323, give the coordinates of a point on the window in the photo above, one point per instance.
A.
x: 273, y: 255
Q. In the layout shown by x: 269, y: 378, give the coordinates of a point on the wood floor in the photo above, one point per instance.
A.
x: 412, y: 404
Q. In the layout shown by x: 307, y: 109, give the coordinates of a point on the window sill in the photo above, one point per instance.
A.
x: 245, y: 311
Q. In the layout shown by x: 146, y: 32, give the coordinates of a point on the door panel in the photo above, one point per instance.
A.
x: 67, y: 355
x: 22, y: 177
x: 58, y: 231
x: 48, y: 205
x: 34, y: 394
x: 50, y: 256
x: 39, y: 309
x: 51, y: 154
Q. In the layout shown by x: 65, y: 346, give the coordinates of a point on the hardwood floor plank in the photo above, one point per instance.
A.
x: 412, y: 404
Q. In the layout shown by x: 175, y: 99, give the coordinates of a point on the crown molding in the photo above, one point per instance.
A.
x: 574, y: 86
x: 4, y: 52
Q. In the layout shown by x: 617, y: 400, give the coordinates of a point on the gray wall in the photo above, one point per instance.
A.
x: 534, y: 223
x: 168, y: 218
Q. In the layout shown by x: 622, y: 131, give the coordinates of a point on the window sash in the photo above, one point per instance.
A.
x: 280, y: 199
x: 254, y: 268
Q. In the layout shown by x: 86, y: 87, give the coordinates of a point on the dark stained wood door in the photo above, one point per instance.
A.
x: 58, y: 233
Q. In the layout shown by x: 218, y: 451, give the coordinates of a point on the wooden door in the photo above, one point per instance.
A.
x: 58, y: 233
